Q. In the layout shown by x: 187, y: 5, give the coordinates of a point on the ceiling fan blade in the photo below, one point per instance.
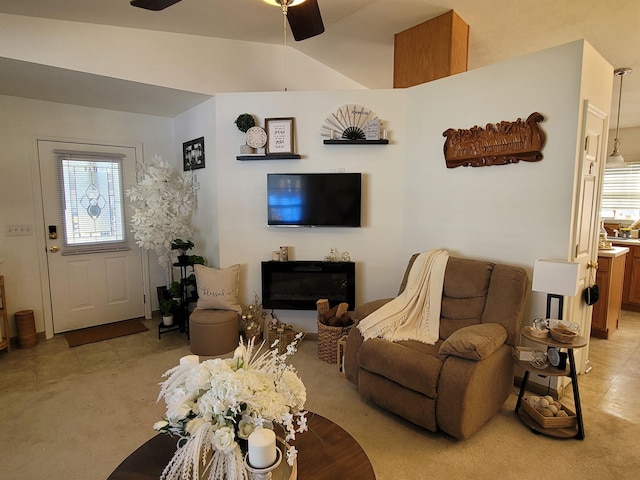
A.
x: 154, y: 5
x: 305, y: 20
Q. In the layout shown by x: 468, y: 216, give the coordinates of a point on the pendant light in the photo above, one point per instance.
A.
x: 616, y: 159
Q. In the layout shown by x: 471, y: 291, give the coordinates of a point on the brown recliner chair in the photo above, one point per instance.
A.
x: 461, y: 382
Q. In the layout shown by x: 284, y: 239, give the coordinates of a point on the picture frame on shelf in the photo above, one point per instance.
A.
x: 193, y: 154
x: 280, y: 133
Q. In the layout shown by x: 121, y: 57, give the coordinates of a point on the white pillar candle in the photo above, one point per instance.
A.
x: 190, y: 359
x: 262, y: 448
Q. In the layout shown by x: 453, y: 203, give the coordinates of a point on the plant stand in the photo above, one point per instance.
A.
x: 162, y: 328
x: 183, y: 310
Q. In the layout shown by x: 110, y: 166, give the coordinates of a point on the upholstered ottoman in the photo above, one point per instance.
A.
x: 213, y: 332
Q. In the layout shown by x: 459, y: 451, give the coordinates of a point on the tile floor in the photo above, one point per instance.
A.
x: 80, y: 411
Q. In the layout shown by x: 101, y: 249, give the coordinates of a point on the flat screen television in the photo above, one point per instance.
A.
x: 314, y: 199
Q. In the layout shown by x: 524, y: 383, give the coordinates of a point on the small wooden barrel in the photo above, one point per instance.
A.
x: 26, y: 329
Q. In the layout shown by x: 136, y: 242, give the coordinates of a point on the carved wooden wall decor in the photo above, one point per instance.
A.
x: 499, y: 144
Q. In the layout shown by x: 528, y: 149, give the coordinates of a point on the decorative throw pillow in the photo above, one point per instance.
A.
x: 218, y: 287
x: 474, y: 342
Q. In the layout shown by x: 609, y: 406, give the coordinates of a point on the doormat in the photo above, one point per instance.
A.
x: 104, y: 332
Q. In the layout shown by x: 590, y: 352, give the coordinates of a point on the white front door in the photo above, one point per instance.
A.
x: 586, y: 225
x: 94, y: 265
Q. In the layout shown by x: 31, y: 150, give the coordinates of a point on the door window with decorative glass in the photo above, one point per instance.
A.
x: 92, y: 203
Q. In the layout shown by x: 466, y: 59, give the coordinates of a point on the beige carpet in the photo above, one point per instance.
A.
x: 76, y: 413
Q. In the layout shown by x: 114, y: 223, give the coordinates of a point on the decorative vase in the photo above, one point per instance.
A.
x: 246, y: 150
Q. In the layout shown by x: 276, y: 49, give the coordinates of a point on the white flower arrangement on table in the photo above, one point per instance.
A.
x: 214, y: 406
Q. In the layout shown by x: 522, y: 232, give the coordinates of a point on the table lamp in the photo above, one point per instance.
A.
x: 556, y: 278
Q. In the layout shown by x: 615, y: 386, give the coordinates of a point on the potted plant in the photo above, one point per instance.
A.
x: 167, y: 308
x: 175, y: 290
x: 197, y: 260
x: 184, y: 247
x: 244, y: 122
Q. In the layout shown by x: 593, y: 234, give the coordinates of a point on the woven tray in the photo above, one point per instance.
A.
x: 549, y: 422
x: 328, y: 341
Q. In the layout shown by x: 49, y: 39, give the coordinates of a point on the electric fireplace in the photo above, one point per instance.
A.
x: 298, y: 285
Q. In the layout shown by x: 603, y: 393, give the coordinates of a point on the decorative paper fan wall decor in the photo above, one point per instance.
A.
x: 350, y: 122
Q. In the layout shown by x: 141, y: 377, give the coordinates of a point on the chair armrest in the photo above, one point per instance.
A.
x: 474, y: 342
x: 365, y: 309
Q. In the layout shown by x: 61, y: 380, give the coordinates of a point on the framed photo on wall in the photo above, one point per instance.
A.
x: 193, y: 154
x: 279, y: 135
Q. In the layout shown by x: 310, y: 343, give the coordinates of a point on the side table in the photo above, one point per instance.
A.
x: 578, y: 342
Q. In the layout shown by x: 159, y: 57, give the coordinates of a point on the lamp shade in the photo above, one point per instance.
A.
x: 555, y: 276
x: 615, y: 160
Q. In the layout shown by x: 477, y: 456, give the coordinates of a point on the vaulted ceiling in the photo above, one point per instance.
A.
x: 499, y: 30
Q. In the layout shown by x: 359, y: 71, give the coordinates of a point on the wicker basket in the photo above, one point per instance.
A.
x: 328, y: 341
x: 563, y: 335
x: 549, y: 422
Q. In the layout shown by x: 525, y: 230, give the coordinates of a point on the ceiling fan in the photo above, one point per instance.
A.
x: 304, y: 16
x: 155, y: 5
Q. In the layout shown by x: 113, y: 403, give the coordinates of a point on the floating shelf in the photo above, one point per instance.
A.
x: 356, y: 142
x: 273, y: 156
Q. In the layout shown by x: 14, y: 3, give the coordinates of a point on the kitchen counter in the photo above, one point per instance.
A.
x: 614, y: 251
x: 624, y: 241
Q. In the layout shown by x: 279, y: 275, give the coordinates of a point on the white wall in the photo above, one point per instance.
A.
x: 239, y: 187
x: 201, y: 122
x: 21, y: 122
x: 513, y: 213
x: 185, y: 62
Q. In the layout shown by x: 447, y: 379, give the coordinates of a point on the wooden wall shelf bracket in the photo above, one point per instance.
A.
x: 499, y: 144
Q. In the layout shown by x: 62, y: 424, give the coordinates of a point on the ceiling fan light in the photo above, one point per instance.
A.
x: 278, y: 3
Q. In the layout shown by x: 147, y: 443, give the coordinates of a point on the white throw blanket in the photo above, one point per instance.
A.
x: 415, y: 313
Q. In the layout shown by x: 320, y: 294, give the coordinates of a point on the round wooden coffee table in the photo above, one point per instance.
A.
x: 325, y: 452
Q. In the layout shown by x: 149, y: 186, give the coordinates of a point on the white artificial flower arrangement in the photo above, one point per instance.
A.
x: 214, y: 406
x: 163, y: 202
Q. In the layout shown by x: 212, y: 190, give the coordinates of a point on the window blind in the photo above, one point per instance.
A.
x: 621, y: 192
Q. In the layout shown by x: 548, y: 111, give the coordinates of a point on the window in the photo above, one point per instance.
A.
x: 92, y: 201
x: 621, y: 193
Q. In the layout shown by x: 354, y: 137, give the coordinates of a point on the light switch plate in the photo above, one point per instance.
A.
x: 18, y: 230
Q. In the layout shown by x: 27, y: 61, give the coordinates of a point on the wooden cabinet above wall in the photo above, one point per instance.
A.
x: 434, y: 49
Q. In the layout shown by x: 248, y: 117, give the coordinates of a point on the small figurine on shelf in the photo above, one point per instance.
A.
x: 332, y: 257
